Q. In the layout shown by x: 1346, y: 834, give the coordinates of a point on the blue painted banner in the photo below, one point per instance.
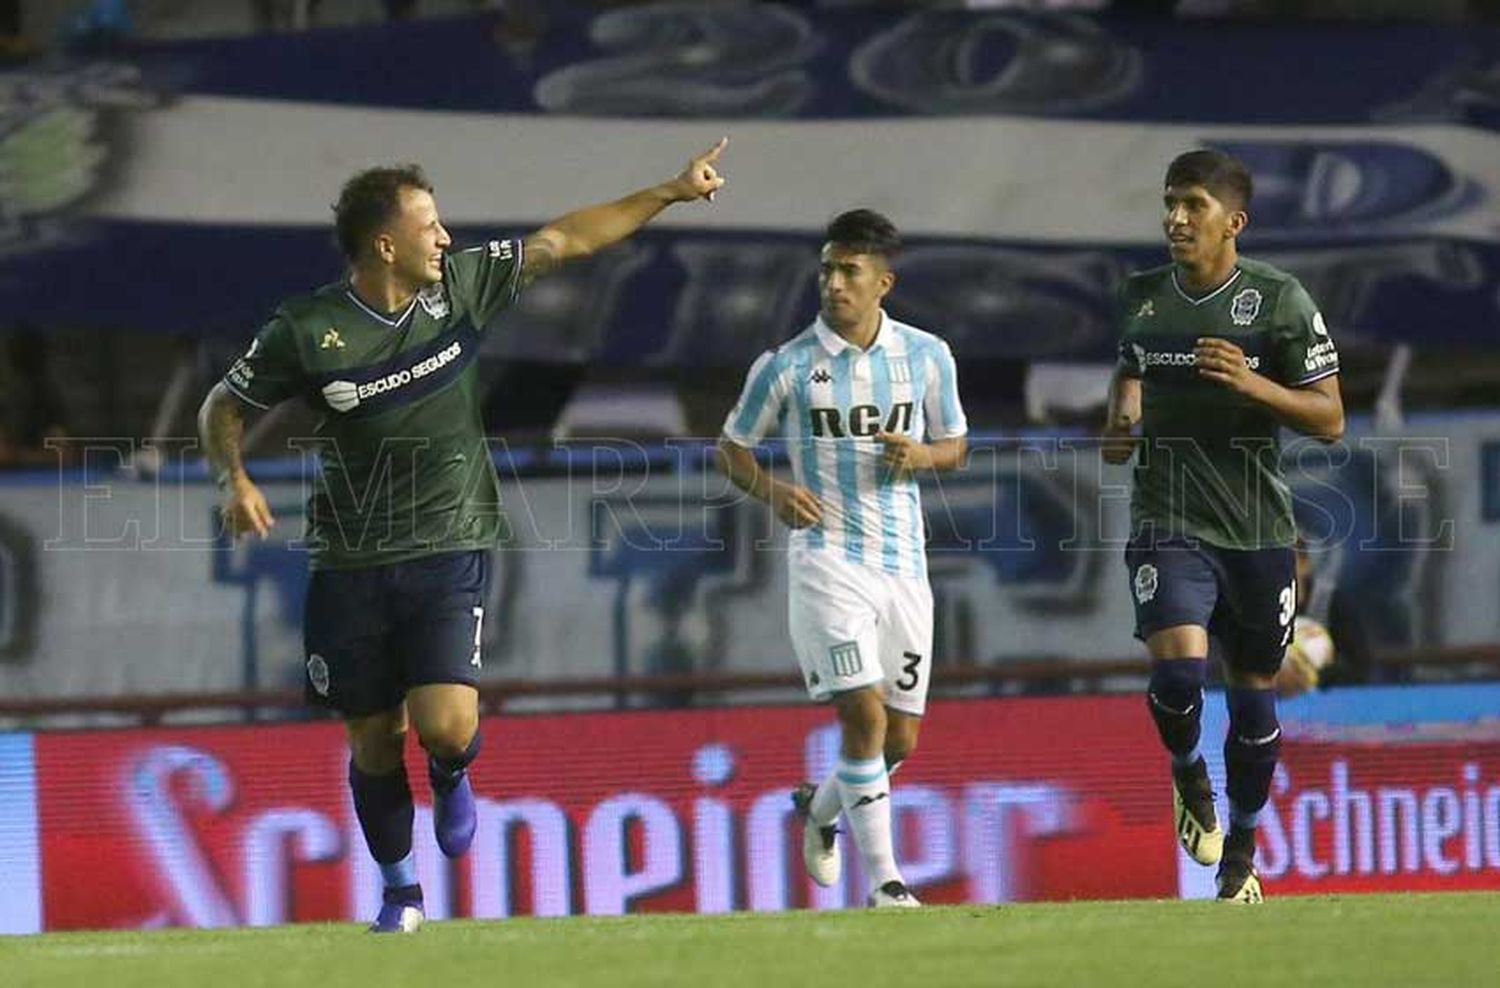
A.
x: 778, y: 60
x: 185, y: 187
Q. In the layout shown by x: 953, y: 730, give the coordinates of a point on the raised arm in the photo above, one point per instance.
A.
x: 593, y: 228
x: 221, y: 426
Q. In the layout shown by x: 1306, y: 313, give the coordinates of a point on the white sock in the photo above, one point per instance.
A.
x: 826, y: 804
x: 865, y: 790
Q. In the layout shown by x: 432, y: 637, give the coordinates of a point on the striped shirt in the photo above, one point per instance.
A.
x: 828, y: 398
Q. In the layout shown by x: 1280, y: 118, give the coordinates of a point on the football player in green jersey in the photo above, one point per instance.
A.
x: 405, y: 508
x: 1217, y: 353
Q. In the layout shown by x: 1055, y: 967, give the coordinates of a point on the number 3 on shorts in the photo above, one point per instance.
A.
x: 1288, y: 602
x: 909, y: 675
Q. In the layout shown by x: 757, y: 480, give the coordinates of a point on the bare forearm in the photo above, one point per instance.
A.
x: 948, y: 454
x: 221, y: 426
x: 739, y: 465
x: 1312, y: 411
x: 1124, y: 401
x: 593, y: 228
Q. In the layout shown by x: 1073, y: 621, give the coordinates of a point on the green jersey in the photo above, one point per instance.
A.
x: 1210, y: 463
x: 404, y: 469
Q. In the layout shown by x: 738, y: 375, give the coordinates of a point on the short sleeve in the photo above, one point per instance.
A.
x: 1130, y: 354
x: 761, y: 402
x: 1305, y: 352
x: 270, y: 371
x: 486, y: 279
x: 940, y: 405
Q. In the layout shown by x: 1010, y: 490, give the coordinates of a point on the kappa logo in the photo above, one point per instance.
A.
x: 317, y: 673
x: 434, y: 301
x: 1147, y: 310
x: 331, y: 340
x: 821, y: 376
x: 1145, y: 583
x: 1245, y: 306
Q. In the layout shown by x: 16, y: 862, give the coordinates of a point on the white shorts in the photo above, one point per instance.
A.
x: 854, y: 626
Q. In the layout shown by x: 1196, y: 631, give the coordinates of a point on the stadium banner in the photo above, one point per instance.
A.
x: 627, y: 561
x: 597, y: 813
x: 1009, y: 799
x: 149, y: 168
x: 1379, y: 789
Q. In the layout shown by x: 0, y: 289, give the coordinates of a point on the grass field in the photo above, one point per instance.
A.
x: 1397, y: 940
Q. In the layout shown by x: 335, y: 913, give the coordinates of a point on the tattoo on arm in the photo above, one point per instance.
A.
x: 221, y: 425
x: 541, y: 253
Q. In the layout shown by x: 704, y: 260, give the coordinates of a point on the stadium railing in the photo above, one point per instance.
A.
x: 1027, y: 677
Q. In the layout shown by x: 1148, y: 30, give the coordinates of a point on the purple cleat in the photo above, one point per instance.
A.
x: 400, y: 911
x: 454, y: 817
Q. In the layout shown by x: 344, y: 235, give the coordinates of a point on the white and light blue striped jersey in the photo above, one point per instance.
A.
x: 829, y: 398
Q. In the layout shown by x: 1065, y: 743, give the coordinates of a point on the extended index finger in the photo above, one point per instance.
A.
x: 712, y: 154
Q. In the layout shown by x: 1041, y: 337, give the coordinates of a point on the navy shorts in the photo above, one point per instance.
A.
x: 371, y: 634
x: 1246, y: 598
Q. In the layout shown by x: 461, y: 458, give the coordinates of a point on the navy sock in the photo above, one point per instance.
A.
x: 1250, y: 752
x: 1175, y: 698
x: 444, y: 773
x: 383, y: 805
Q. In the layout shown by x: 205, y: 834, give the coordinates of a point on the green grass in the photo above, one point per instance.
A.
x: 1398, y: 940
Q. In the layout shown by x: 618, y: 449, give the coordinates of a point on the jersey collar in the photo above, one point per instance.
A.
x: 836, y: 344
x: 384, y: 320
x: 1190, y: 300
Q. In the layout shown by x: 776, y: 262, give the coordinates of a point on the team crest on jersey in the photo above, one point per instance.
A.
x: 434, y: 301
x: 1147, y: 310
x: 1145, y: 583
x: 331, y: 340
x: 1245, y: 306
x: 900, y: 370
x: 317, y: 673
x: 846, y: 659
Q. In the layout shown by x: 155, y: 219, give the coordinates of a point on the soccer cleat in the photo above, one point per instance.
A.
x: 454, y: 817
x: 1238, y: 881
x: 400, y: 911
x: 819, y: 852
x: 892, y: 895
x: 1193, y: 811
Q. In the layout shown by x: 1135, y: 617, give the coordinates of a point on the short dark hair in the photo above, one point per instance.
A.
x: 369, y: 201
x: 864, y: 231
x: 1223, y: 175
